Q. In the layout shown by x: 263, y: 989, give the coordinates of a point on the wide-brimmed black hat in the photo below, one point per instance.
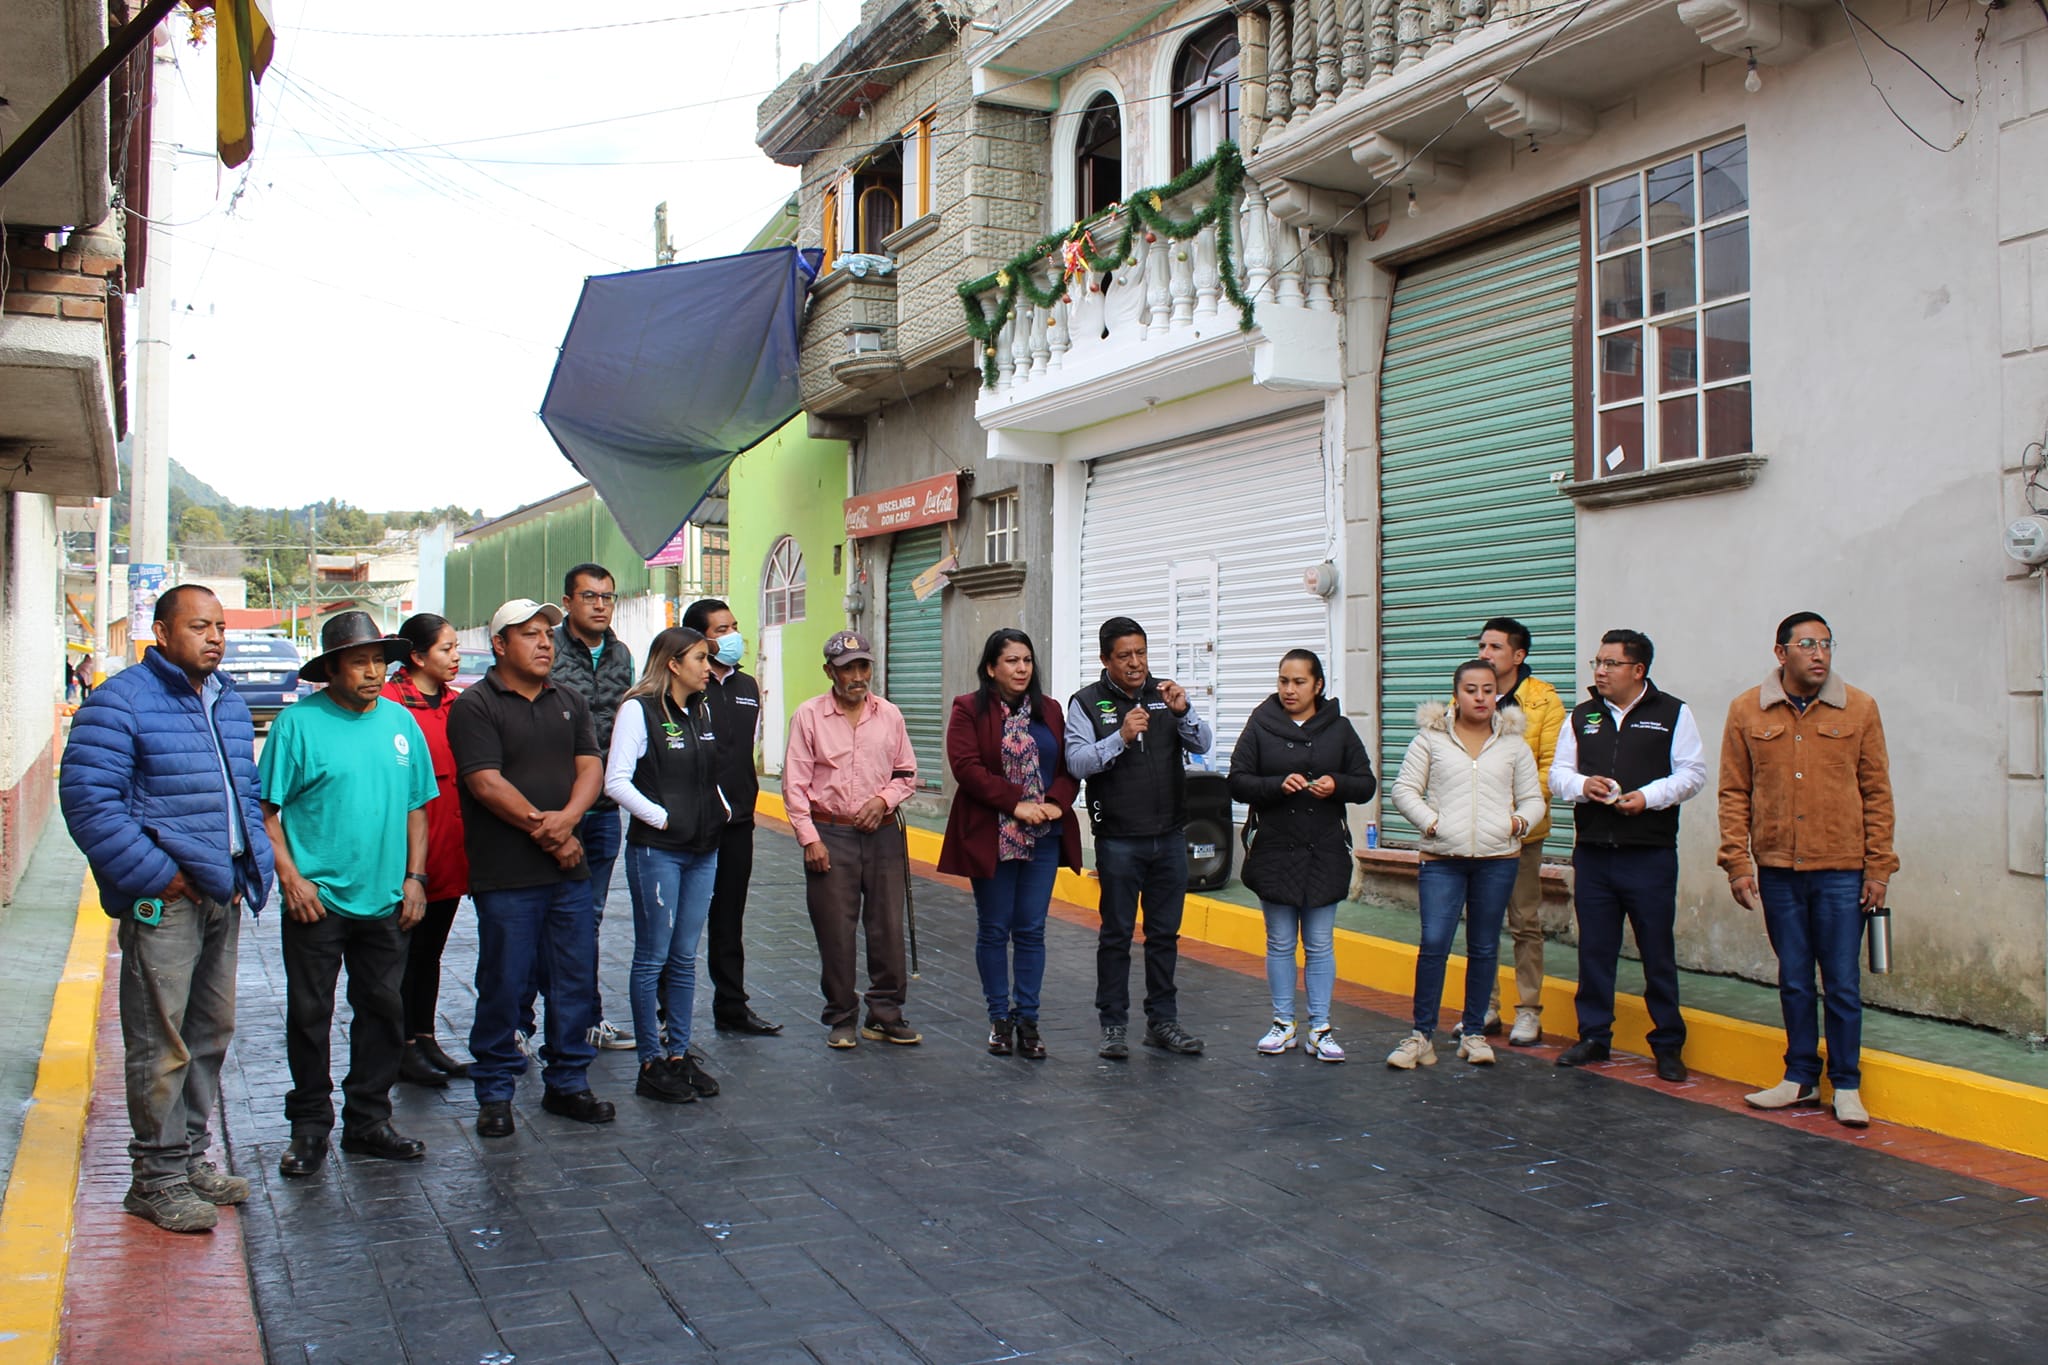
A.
x: 351, y: 630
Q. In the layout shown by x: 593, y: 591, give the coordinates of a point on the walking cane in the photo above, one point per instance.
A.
x: 909, y: 904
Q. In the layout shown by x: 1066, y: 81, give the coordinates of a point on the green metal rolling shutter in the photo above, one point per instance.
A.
x: 913, y: 650
x: 1475, y: 419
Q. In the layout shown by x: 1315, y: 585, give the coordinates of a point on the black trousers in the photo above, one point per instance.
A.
x: 725, y: 952
x: 374, y: 952
x: 422, y: 987
x: 1639, y: 887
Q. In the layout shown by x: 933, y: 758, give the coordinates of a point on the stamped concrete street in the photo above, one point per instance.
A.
x: 934, y: 1203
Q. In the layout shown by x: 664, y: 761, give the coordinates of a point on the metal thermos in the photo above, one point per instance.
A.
x: 1879, y: 938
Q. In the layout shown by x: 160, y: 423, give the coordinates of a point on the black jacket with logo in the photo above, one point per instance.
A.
x: 1634, y: 753
x: 601, y: 684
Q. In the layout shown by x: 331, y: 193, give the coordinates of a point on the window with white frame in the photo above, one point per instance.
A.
x: 1003, y: 536
x: 782, y: 584
x: 1671, y: 357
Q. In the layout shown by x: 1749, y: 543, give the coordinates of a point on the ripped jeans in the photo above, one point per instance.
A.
x: 671, y: 901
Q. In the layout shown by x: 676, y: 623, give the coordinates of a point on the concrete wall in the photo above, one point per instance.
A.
x: 31, y: 679
x: 789, y: 485
x: 1891, y: 424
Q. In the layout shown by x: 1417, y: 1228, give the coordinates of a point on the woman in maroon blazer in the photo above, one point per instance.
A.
x: 1011, y: 827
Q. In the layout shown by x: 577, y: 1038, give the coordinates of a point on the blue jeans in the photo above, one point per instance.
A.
x: 516, y: 929
x: 1315, y: 926
x: 1452, y: 889
x: 1815, y: 920
x: 671, y: 901
x: 1009, y: 909
x: 599, y: 833
x: 1154, y: 870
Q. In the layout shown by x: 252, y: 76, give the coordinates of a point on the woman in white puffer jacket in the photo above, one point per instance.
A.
x: 1469, y: 784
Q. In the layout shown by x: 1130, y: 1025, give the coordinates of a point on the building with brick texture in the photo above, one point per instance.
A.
x: 68, y: 261
x: 912, y: 185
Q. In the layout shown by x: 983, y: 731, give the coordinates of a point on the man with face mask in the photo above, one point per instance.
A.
x: 735, y: 700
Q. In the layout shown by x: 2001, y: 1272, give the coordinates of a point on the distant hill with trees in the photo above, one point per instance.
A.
x: 216, y: 536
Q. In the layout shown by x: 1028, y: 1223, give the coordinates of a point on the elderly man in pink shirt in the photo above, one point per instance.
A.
x: 848, y: 767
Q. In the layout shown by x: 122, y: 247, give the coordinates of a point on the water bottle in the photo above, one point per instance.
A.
x: 1372, y: 835
x: 1879, y: 934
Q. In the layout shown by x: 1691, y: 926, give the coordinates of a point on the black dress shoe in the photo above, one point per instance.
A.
x: 582, y: 1106
x: 750, y: 1022
x: 415, y: 1069
x: 494, y: 1118
x: 1670, y: 1067
x: 385, y: 1142
x: 430, y: 1048
x: 307, y: 1154
x: 1582, y: 1052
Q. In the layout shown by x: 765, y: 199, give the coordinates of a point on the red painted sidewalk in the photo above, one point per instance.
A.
x: 135, y: 1292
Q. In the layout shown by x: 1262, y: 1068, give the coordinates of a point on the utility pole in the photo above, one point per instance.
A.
x: 664, y: 249
x: 149, y: 502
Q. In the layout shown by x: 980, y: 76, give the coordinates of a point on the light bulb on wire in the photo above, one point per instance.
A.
x: 1414, y: 209
x: 1753, y: 81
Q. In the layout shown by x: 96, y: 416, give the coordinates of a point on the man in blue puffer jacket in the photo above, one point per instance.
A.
x: 159, y: 789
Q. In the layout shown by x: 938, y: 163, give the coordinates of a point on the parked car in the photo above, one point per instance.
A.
x: 265, y: 668
x: 475, y: 663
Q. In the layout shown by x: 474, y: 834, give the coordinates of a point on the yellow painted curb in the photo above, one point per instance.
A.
x: 35, y: 1222
x: 1941, y: 1099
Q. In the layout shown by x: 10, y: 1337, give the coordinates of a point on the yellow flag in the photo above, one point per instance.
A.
x: 243, y: 42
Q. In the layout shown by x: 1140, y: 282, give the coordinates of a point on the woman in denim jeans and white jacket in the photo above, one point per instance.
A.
x: 1469, y: 784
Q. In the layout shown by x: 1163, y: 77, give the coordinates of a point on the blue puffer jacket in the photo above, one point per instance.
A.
x: 141, y: 788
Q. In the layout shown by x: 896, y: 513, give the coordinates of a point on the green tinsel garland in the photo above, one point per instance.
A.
x: 1146, y: 208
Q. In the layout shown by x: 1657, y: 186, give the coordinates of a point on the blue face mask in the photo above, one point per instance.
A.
x: 730, y: 648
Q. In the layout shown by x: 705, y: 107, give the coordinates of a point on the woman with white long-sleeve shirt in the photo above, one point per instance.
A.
x: 1469, y: 784
x: 663, y: 772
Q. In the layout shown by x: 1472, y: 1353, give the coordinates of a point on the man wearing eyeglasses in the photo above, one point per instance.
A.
x: 592, y: 662
x: 1628, y: 755
x: 1806, y: 837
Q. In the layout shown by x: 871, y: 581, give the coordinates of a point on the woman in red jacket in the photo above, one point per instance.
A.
x: 425, y: 687
x: 1010, y: 828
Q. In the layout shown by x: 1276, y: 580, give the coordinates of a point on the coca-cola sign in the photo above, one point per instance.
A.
x: 924, y: 503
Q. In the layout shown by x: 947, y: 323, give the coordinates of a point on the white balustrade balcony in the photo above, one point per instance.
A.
x: 1162, y: 325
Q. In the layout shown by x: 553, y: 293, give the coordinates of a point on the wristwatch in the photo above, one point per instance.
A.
x: 419, y: 877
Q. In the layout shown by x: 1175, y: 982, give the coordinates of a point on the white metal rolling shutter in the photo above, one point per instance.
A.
x: 1204, y: 544
x: 1475, y: 420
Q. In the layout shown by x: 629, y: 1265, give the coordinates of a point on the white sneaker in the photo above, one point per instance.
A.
x: 1528, y: 1029
x: 1278, y: 1038
x: 1474, y: 1048
x: 1412, y: 1051
x: 1322, y: 1045
x: 606, y: 1036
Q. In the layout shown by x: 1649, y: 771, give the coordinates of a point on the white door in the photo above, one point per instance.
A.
x: 774, y: 723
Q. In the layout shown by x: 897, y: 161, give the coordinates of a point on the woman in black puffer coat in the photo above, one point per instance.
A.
x: 1296, y: 765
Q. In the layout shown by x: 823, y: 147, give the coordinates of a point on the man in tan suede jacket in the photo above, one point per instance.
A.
x: 1806, y: 836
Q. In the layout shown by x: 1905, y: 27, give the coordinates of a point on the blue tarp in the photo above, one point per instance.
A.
x: 667, y: 374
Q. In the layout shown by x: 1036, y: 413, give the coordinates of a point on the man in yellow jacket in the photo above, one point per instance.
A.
x: 1504, y: 642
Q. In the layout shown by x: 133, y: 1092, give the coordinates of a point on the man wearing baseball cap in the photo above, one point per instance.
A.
x: 346, y: 781
x: 855, y: 860
x: 527, y: 758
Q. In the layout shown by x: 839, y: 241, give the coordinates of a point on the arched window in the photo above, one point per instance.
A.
x: 1099, y: 157
x: 1205, y: 93
x: 782, y: 584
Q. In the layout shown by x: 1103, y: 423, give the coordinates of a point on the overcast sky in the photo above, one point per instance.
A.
x: 369, y: 309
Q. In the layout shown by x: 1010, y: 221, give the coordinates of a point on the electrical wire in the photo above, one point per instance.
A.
x: 550, y: 32
x: 1854, y: 21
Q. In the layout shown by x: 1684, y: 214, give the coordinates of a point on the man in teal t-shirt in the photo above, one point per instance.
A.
x: 346, y: 780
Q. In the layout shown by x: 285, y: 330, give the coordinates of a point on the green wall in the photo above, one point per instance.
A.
x: 528, y: 560
x: 790, y: 485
